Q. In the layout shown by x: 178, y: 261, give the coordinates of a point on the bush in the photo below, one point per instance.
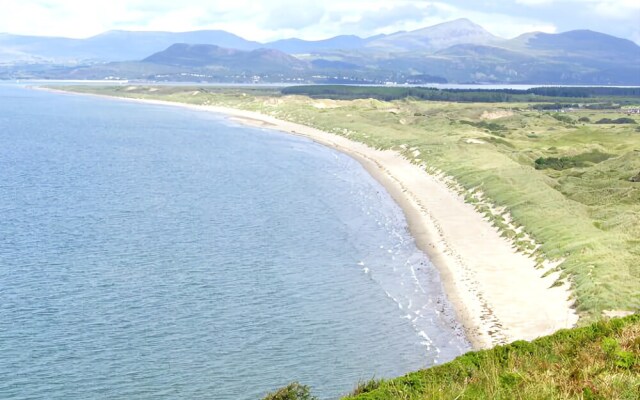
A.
x: 366, y: 387
x: 293, y: 391
x: 554, y: 163
x: 581, y: 160
x: 493, y: 127
x: 563, y: 118
x: 621, y: 359
x: 584, y: 119
x: 623, y: 120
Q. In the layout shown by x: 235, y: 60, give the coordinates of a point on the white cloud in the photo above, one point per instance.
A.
x: 617, y: 9
x: 621, y: 9
x: 534, y: 2
x: 309, y: 19
x: 503, y: 25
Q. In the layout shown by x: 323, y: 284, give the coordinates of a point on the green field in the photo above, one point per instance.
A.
x: 561, y: 179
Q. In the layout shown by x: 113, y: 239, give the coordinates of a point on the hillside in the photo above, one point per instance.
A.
x: 435, y: 38
x: 112, y: 45
x: 600, y: 361
x: 294, y: 45
x: 215, y: 57
x: 575, y: 57
x: 577, y: 42
x: 458, y: 51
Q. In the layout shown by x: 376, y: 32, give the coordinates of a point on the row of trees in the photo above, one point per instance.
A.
x: 541, y: 94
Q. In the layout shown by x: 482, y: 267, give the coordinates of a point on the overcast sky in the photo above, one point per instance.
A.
x: 317, y: 19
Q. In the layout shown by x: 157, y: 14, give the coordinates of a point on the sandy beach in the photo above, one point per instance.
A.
x: 497, y: 293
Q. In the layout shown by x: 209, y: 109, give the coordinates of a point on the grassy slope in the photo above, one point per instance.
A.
x: 600, y: 361
x: 588, y: 216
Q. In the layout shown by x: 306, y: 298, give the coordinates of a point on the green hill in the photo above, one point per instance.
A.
x: 215, y: 57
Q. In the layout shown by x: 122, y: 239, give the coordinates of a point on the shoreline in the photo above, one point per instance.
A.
x: 496, y: 292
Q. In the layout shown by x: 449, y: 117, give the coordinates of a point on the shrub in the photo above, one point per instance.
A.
x: 366, y: 387
x: 509, y: 379
x: 293, y: 391
x: 579, y: 160
x: 621, y: 359
x: 623, y: 120
x: 554, y: 163
x: 625, y: 359
x: 493, y: 127
x: 563, y: 118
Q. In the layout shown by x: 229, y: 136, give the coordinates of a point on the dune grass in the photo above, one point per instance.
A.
x: 585, y: 214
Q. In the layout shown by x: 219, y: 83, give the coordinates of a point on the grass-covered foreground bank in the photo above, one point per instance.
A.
x: 560, y: 184
x: 600, y: 361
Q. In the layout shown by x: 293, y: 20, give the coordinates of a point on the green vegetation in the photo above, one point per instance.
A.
x: 610, y: 105
x: 600, y: 361
x: 491, y: 127
x: 593, y: 95
x: 585, y: 213
x: 580, y: 160
x: 563, y: 118
x: 616, y: 121
x: 293, y: 391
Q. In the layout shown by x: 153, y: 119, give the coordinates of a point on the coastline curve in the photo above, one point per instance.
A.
x: 497, y: 293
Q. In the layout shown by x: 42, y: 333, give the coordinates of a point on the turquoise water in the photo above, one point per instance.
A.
x: 158, y: 252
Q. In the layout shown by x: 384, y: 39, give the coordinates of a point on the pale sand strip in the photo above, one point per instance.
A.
x: 497, y: 293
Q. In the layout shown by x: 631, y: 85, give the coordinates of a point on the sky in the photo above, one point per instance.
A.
x: 316, y: 19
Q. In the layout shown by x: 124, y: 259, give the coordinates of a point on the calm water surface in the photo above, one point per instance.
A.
x: 157, y: 252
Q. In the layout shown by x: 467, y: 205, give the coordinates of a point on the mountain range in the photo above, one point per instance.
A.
x: 456, y: 51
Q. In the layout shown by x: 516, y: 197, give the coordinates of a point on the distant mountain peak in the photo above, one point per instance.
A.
x: 297, y: 46
x: 459, y: 22
x: 456, y: 26
x: 437, y: 37
x: 458, y: 51
x: 580, y: 40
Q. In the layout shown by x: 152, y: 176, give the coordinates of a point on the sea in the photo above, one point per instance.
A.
x: 150, y: 251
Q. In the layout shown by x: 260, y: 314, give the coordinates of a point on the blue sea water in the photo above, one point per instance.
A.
x: 156, y: 252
